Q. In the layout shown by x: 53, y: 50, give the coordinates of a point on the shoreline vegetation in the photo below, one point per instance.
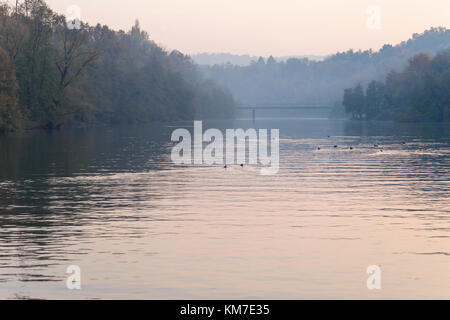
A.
x: 53, y: 76
x: 419, y: 93
x: 308, y: 82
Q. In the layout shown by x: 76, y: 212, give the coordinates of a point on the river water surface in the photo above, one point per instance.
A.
x: 110, y: 201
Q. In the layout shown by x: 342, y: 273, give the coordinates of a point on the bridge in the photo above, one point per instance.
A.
x: 282, y: 106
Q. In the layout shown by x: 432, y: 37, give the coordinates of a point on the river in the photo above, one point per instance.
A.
x: 110, y: 201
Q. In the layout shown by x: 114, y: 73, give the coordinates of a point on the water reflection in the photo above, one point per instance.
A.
x: 109, y: 200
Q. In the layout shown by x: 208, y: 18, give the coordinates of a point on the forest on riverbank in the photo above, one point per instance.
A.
x: 53, y: 74
x: 309, y: 82
x: 421, y: 92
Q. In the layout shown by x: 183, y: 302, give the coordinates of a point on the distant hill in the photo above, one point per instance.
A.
x: 240, y: 60
x: 303, y: 80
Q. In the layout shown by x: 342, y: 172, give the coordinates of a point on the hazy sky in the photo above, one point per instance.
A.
x: 264, y: 27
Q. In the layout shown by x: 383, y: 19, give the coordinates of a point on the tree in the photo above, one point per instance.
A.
x: 375, y: 99
x: 14, y: 34
x: 359, y: 103
x: 35, y: 68
x: 9, y: 111
x: 348, y: 102
x: 72, y: 59
x: 271, y: 61
x: 421, y: 92
x: 56, y: 75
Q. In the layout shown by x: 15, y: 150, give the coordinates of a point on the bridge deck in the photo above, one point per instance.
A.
x: 278, y: 107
